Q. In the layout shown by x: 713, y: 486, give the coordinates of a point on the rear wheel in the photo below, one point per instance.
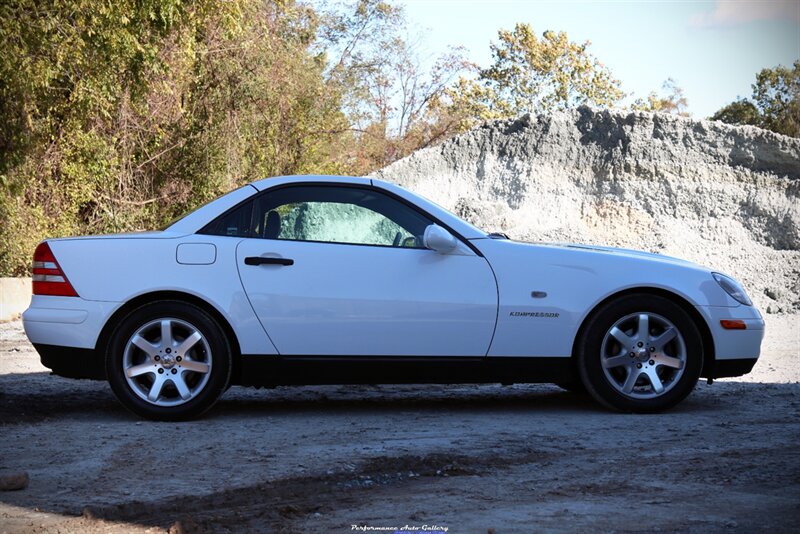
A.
x: 640, y: 353
x: 168, y: 360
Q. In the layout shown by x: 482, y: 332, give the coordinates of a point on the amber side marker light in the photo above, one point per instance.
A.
x: 728, y: 324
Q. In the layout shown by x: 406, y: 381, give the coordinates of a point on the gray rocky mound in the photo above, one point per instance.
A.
x: 719, y: 195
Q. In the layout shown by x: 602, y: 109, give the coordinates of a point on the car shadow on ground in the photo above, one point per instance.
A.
x: 31, y: 397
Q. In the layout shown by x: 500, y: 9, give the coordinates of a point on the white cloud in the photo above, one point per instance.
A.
x: 737, y: 12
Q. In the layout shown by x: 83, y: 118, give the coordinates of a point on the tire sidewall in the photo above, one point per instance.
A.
x: 590, y: 362
x: 220, y: 353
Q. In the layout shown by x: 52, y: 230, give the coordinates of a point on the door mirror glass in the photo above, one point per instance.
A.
x: 438, y: 239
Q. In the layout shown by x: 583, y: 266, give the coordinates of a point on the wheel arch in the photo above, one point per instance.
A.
x: 108, y: 329
x: 702, y: 326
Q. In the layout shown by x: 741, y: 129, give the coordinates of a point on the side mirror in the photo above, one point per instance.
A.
x: 438, y: 239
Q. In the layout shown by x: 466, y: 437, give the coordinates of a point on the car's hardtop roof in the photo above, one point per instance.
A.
x: 266, y: 183
x: 205, y: 214
x: 460, y: 226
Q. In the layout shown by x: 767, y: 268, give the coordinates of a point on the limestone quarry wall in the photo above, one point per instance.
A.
x: 722, y: 196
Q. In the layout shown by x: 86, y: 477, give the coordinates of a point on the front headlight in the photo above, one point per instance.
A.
x: 732, y: 288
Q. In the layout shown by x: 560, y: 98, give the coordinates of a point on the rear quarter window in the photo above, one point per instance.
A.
x: 234, y: 223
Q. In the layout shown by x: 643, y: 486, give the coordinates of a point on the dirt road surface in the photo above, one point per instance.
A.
x: 523, y: 458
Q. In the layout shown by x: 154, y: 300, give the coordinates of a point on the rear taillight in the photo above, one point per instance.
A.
x: 48, y: 278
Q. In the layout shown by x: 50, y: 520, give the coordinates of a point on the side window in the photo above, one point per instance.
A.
x: 335, y: 214
x: 235, y: 223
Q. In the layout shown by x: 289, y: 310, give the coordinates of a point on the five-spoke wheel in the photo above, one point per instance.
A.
x: 168, y: 360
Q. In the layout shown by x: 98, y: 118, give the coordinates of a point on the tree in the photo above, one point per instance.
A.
x: 530, y: 74
x: 739, y: 112
x: 70, y: 73
x: 119, y: 116
x: 388, y: 92
x: 776, y: 94
x: 672, y: 100
x: 774, y: 104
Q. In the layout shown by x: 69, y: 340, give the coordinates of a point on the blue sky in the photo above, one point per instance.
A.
x: 713, y: 49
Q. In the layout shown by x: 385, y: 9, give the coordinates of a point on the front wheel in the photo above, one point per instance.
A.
x: 640, y: 353
x: 168, y: 361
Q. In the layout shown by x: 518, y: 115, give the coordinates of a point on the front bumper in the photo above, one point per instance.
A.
x: 735, y: 351
x: 729, y: 368
x: 735, y: 344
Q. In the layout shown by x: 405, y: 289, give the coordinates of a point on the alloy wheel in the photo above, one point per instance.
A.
x: 643, y: 355
x: 167, y: 362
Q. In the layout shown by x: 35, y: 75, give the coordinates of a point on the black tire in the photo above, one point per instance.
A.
x: 607, y: 382
x: 209, y: 357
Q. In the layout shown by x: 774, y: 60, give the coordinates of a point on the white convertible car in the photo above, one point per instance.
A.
x: 336, y: 280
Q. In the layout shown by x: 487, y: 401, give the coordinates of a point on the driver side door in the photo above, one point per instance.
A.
x: 340, y: 270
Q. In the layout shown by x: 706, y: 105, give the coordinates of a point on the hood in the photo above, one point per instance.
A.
x: 572, y: 268
x: 620, y: 251
x: 594, y: 257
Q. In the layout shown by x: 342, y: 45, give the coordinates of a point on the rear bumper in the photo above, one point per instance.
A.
x: 64, y: 331
x: 72, y: 362
x: 66, y: 321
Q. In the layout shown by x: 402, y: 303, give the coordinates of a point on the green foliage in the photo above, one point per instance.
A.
x: 532, y: 74
x: 65, y: 71
x: 776, y: 94
x: 774, y: 104
x: 121, y: 115
x: 740, y: 112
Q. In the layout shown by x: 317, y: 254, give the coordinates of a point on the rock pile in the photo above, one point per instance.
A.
x: 720, y: 195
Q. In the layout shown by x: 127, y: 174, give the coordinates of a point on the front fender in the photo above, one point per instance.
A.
x: 546, y: 292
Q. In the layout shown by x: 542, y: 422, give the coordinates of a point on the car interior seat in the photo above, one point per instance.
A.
x: 272, y: 225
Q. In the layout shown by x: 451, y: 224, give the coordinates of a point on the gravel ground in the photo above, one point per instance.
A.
x: 469, y: 458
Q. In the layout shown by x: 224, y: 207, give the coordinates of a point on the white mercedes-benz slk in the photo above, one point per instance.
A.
x: 337, y: 280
